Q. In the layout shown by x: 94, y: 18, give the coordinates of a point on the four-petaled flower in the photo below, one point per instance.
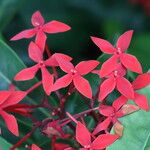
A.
x: 7, y: 99
x: 35, y: 54
x: 40, y: 28
x: 75, y: 74
x: 127, y: 60
x: 116, y: 79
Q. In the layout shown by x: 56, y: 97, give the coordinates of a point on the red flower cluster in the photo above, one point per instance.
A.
x: 113, y: 73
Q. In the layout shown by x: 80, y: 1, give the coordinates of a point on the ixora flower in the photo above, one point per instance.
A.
x: 35, y: 54
x: 116, y: 80
x: 127, y: 60
x: 7, y: 99
x: 74, y: 74
x: 141, y: 100
x: 117, y: 110
x: 40, y: 28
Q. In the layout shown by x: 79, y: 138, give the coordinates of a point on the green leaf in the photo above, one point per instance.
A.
x: 136, y: 133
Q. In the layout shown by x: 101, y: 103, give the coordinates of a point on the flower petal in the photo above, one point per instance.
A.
x: 83, y: 86
x: 125, y: 87
x: 62, y: 82
x: 124, y: 40
x: 34, y: 52
x: 141, y: 101
x: 83, y: 136
x: 107, y: 87
x: 47, y: 80
x: 84, y: 67
x: 35, y: 147
x: 11, y: 122
x: 40, y: 40
x: 26, y: 74
x: 3, y: 96
x: 24, y: 34
x: 37, y: 19
x: 104, y: 45
x: 131, y: 63
x: 108, y: 66
x: 55, y: 27
x: 141, y: 81
x: 106, y: 110
x: 103, y: 141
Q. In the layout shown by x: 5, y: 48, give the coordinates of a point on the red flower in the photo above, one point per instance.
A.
x: 61, y: 146
x: 40, y: 28
x: 35, y: 147
x: 116, y: 80
x: 35, y: 54
x: 8, y: 98
x: 75, y: 74
x: 127, y: 60
x: 141, y: 100
x: 83, y: 136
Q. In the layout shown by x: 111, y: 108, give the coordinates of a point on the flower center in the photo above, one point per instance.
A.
x: 115, y: 73
x: 87, y: 146
x: 73, y: 71
x: 41, y: 63
x: 119, y: 50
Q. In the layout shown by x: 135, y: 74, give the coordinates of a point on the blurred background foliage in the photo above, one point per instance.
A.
x: 102, y: 18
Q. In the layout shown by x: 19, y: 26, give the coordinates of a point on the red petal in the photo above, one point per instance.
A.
x: 11, y: 122
x: 141, y: 81
x: 55, y: 27
x: 3, y: 96
x: 104, y: 45
x: 83, y: 86
x: 84, y: 67
x: 35, y: 147
x: 102, y: 126
x: 83, y: 136
x: 119, y: 102
x: 124, y: 40
x: 47, y: 80
x: 34, y: 52
x: 107, y: 87
x: 141, y: 101
x: 24, y: 34
x: 14, y: 98
x: 125, y: 87
x: 37, y: 19
x: 131, y: 63
x: 52, y: 60
x: 103, y: 141
x: 26, y: 74
x: 62, y: 82
x: 41, y: 40
x: 106, y: 110
x: 108, y: 66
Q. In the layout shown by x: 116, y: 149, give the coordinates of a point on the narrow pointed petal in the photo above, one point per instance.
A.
x: 47, y: 80
x: 55, y: 27
x: 37, y: 19
x: 102, y: 126
x: 24, y: 34
x: 3, y: 96
x: 62, y: 82
x: 124, y: 40
x: 85, y: 67
x: 106, y: 88
x: 131, y: 63
x: 11, y: 122
x: 103, y: 141
x: 14, y: 98
x: 125, y: 87
x: 40, y: 40
x: 118, y: 128
x: 104, y: 45
x: 26, y: 74
x: 108, y: 66
x: 52, y: 60
x: 83, y: 86
x: 34, y: 52
x: 141, y: 81
x: 35, y: 147
x: 106, y: 110
x: 141, y: 101
x: 83, y: 136
x: 119, y: 102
